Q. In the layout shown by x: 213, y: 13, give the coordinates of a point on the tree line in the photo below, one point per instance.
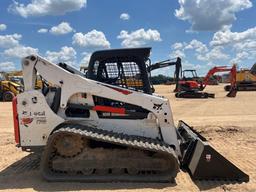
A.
x: 161, y: 79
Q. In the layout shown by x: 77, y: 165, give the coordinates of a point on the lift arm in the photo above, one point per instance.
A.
x: 217, y: 69
x: 214, y: 70
x: 167, y: 63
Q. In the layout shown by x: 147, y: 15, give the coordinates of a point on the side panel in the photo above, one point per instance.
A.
x: 147, y: 127
x: 245, y: 76
x: 36, y: 119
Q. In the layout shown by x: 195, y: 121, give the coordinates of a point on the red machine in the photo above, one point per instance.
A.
x: 193, y: 89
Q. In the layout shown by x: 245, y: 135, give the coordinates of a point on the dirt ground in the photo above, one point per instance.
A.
x: 228, y: 123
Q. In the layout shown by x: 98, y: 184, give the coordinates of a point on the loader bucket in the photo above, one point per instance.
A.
x: 202, y: 161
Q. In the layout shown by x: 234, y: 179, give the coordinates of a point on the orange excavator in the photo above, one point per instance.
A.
x: 194, y: 89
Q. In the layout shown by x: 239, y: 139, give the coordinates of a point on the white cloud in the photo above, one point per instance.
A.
x: 225, y: 37
x: 125, y: 16
x: 210, y: 15
x: 243, y: 44
x: 199, y: 50
x: 92, y: 39
x: 187, y: 65
x: 178, y: 49
x: 214, y: 54
x: 139, y: 37
x: 46, y: 7
x: 7, y: 41
x: 86, y: 58
x: 249, y: 44
x: 20, y: 51
x: 177, y: 45
x: 66, y: 54
x: 3, y: 27
x: 13, y: 48
x: 226, y: 48
x: 198, y: 46
x: 42, y: 30
x: 62, y: 28
x: 177, y: 53
x: 240, y: 57
x: 7, y: 66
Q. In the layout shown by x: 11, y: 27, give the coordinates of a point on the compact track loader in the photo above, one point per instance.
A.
x: 98, y: 131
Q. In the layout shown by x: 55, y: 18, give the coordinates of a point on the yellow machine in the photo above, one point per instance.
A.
x: 246, y: 75
x: 17, y: 77
x: 245, y: 79
x: 11, y: 84
x: 8, y: 88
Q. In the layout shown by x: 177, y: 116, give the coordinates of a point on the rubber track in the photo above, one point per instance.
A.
x: 138, y: 142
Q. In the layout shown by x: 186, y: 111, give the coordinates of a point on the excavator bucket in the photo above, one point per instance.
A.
x: 202, y: 161
x: 232, y: 92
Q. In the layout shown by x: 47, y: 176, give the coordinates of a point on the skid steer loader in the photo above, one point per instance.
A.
x: 97, y: 131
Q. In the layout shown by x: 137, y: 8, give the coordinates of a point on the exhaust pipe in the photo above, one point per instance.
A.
x: 202, y: 161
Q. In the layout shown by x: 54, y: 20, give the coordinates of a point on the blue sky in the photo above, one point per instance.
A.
x: 204, y: 33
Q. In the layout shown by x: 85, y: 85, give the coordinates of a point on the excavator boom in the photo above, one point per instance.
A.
x: 217, y: 69
x: 232, y: 70
x: 167, y: 63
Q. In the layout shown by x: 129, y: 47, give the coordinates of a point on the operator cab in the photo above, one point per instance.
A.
x: 126, y: 68
x: 190, y: 74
